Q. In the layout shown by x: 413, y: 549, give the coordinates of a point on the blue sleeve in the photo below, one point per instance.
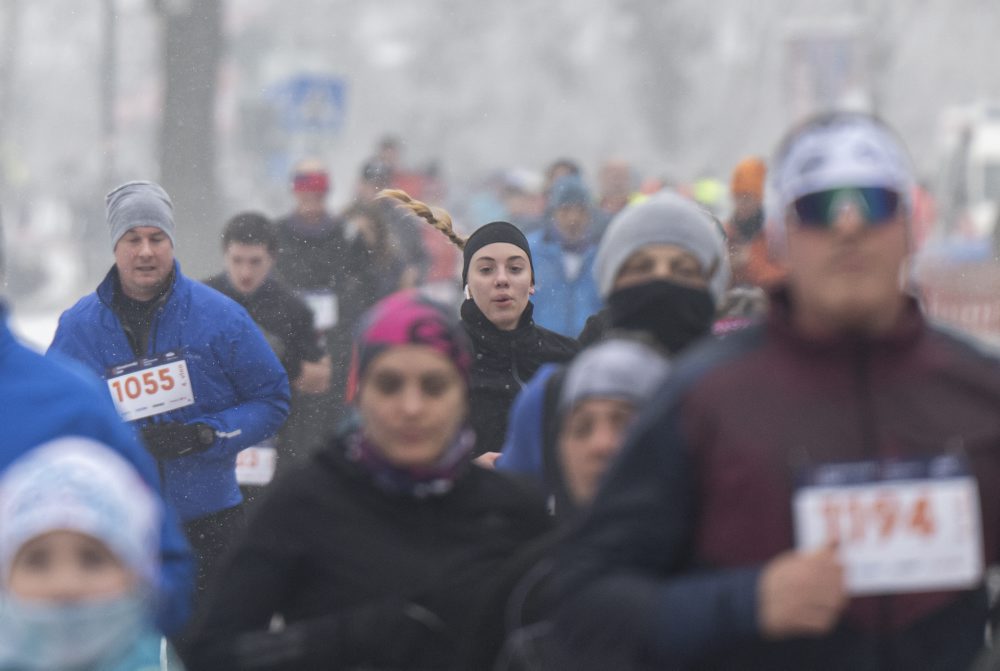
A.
x: 177, y: 566
x: 624, y: 576
x: 96, y: 417
x: 261, y: 384
x: 694, y: 613
x: 66, y: 344
x: 522, y: 448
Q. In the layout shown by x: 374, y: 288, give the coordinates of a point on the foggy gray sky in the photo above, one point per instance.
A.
x: 679, y: 88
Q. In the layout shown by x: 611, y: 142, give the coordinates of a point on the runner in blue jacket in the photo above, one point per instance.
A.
x: 185, y: 364
x: 42, y: 399
x: 564, y: 252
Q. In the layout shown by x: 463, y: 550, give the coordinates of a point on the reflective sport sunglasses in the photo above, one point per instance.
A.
x: 876, y: 204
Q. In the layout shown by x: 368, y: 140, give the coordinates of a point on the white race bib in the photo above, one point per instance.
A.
x: 324, y: 306
x: 902, y: 526
x: 150, y: 386
x: 255, y: 465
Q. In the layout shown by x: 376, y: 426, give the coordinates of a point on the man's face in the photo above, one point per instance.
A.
x: 310, y: 204
x: 616, y: 179
x: 144, y: 257
x: 573, y: 221
x: 247, y: 266
x: 846, y: 277
x: 662, y: 262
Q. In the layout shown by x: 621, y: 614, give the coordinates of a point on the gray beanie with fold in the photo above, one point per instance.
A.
x: 620, y: 368
x: 135, y: 204
x: 665, y: 218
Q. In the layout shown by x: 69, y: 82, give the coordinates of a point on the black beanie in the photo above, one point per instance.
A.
x: 495, y: 231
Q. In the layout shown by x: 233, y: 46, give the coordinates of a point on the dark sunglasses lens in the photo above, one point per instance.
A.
x: 881, y: 204
x: 812, y: 209
x: 819, y: 210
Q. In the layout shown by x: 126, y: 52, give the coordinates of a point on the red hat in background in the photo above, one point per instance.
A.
x: 310, y: 176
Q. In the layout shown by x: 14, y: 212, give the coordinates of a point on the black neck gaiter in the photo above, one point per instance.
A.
x: 673, y: 314
x: 137, y: 316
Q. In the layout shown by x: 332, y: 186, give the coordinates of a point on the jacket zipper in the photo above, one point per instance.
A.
x: 513, y: 364
x: 869, y: 444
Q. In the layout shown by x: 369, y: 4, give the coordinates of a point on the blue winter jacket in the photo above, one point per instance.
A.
x: 523, y: 446
x: 43, y: 399
x: 561, y: 305
x: 240, y: 388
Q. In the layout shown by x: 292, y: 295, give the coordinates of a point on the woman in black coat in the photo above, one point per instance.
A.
x: 379, y: 553
x: 509, y: 347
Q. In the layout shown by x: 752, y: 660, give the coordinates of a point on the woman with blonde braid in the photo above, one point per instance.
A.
x: 509, y: 347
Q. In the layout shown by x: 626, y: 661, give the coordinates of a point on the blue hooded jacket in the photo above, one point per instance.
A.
x: 563, y: 302
x: 43, y: 399
x: 240, y: 388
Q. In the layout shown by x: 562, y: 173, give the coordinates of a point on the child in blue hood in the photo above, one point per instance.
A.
x: 79, y: 558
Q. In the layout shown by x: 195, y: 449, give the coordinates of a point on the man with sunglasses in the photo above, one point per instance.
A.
x: 818, y: 492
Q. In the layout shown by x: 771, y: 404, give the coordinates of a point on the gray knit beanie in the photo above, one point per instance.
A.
x: 664, y: 218
x: 620, y: 368
x: 135, y: 204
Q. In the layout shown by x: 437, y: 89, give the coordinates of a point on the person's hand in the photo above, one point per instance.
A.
x: 314, y: 378
x: 801, y: 594
x: 487, y: 459
x: 173, y: 439
x: 386, y: 635
x: 392, y: 633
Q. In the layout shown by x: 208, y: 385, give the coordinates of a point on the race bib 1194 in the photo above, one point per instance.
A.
x: 899, y: 526
x: 150, y: 386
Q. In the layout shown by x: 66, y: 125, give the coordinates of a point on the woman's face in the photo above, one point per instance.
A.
x: 412, y: 401
x: 67, y: 566
x: 500, y: 283
x: 592, y: 434
x: 662, y: 262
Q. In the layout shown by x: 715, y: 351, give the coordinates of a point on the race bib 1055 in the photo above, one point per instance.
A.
x: 150, y: 386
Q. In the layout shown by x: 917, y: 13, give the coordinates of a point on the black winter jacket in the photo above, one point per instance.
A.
x: 361, y: 577
x: 504, y: 362
x: 284, y: 319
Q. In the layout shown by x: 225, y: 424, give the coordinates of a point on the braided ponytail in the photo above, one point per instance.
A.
x: 435, y: 216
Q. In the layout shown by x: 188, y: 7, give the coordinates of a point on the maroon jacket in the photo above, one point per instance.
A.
x: 701, y: 497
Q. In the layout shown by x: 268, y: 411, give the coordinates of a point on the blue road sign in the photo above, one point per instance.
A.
x: 310, y: 103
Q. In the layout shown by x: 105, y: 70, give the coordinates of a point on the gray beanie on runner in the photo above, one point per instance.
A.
x: 135, y: 204
x: 620, y: 368
x: 665, y: 218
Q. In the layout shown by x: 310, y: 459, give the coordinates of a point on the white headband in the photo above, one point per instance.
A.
x: 841, y: 150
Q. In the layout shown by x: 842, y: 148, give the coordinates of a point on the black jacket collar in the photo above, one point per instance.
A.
x: 480, y: 323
